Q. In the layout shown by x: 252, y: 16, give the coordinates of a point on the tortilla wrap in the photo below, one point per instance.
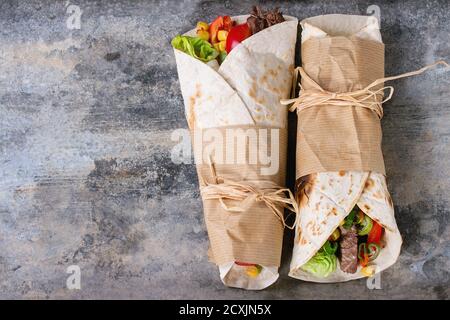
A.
x: 326, y: 198
x: 245, y: 90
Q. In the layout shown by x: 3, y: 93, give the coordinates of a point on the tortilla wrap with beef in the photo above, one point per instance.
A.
x: 327, y: 198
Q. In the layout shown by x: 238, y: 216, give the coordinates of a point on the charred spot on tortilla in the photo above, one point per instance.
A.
x: 302, y: 182
x: 302, y: 198
x: 252, y: 91
x: 198, y: 92
x: 273, y: 73
x: 314, y: 228
x: 192, y: 100
x: 378, y: 195
x: 369, y: 183
x: 366, y: 206
x: 261, y: 101
x: 333, y: 211
x: 318, y: 232
x: 191, y: 115
x: 299, y: 234
x: 192, y: 103
x: 291, y: 68
x: 303, y: 189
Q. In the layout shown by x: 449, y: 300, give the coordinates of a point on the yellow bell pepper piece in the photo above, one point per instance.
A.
x: 222, y: 35
x: 202, y: 26
x: 368, y: 271
x: 222, y: 46
x: 216, y: 46
x: 202, y: 34
x: 253, y: 271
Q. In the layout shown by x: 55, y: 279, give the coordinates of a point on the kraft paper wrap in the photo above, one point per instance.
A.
x: 336, y: 138
x: 256, y: 234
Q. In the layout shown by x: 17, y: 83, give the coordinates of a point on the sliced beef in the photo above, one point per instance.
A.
x: 349, y: 250
x: 273, y: 17
x: 259, y: 19
x: 256, y: 24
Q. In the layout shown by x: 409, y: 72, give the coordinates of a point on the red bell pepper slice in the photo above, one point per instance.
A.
x: 373, y: 251
x: 245, y: 264
x: 236, y: 35
x: 227, y: 23
x: 375, y: 234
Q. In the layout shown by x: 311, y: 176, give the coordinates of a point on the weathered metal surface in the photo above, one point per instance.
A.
x: 85, y: 171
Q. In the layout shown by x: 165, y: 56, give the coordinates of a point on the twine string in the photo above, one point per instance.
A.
x: 275, y: 197
x: 368, y: 97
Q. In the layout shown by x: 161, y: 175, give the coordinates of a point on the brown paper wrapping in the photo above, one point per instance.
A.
x: 255, y: 235
x: 337, y: 138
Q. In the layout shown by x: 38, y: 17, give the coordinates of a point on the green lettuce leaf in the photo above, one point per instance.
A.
x: 323, y: 263
x: 195, y: 47
x: 329, y: 248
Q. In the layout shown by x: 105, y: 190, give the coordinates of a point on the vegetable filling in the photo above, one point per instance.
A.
x: 215, y: 40
x: 356, y: 241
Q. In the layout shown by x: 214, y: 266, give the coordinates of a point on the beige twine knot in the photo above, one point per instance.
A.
x: 365, y: 98
x: 274, y: 197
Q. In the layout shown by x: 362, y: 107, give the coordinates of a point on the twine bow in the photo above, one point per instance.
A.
x: 276, y: 198
x: 368, y: 97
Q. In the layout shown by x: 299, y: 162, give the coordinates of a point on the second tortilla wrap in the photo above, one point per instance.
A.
x: 326, y: 198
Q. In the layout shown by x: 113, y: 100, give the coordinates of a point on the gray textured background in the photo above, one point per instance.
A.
x: 85, y: 171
